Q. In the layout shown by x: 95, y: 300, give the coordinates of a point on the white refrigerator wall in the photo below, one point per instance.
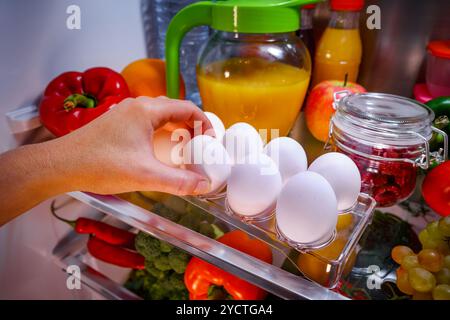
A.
x: 36, y: 46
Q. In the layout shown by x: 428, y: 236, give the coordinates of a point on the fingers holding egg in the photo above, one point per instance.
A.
x: 217, y: 124
x: 168, y: 145
x: 207, y: 156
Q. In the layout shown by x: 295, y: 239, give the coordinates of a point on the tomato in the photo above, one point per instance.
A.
x: 436, y: 189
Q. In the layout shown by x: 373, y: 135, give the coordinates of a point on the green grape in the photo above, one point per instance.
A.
x: 423, y: 236
x: 433, y: 231
x: 409, y: 262
x: 443, y: 276
x: 421, y: 280
x: 431, y: 260
x: 447, y: 261
x: 441, y: 292
x: 444, y: 226
x: 399, y: 252
x: 403, y: 282
x: 426, y: 241
x: 443, y: 247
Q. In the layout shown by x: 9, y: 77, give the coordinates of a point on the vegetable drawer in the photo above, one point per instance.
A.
x: 143, y: 211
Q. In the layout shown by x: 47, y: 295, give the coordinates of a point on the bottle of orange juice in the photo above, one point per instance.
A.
x: 339, y: 50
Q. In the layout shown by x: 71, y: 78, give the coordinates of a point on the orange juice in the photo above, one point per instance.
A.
x: 338, y: 53
x: 268, y: 95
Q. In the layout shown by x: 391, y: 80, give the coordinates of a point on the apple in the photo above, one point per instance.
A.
x: 319, y: 106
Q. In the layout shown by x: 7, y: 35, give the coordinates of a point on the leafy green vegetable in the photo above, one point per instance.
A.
x: 206, y: 229
x: 165, y: 264
x: 162, y: 263
x: 148, y: 246
x: 165, y: 212
x: 178, y: 260
x: 165, y: 247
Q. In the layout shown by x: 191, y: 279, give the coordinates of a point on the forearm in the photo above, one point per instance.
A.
x: 30, y: 175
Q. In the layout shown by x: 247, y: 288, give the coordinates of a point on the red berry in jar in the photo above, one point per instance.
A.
x: 386, y: 136
x: 388, y: 182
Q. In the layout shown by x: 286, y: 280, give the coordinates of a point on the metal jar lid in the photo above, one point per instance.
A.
x: 383, y: 118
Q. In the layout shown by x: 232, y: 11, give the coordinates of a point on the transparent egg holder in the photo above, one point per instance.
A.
x: 264, y: 227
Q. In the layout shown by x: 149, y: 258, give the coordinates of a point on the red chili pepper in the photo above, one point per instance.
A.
x: 103, y: 231
x: 115, y: 255
x: 73, y: 99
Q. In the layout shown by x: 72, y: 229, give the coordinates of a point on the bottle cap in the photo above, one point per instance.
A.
x: 440, y: 48
x: 309, y: 6
x: 347, y: 5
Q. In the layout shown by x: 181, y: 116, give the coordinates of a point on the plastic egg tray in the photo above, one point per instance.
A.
x: 335, y: 254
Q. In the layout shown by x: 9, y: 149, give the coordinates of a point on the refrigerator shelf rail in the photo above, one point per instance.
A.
x: 269, y: 277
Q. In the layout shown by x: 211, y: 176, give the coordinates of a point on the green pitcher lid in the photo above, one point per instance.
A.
x: 257, y: 16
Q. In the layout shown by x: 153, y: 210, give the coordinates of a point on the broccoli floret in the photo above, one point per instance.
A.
x: 152, y: 270
x: 135, y: 284
x: 179, y: 295
x: 189, y: 221
x: 148, y: 246
x: 162, y: 263
x: 165, y: 247
x: 195, y: 213
x: 156, y: 291
x: 165, y: 212
x: 177, y: 281
x: 206, y: 229
x: 178, y: 260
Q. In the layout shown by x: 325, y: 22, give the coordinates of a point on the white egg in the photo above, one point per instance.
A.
x: 253, y: 186
x: 240, y: 140
x: 342, y: 174
x: 217, y: 124
x: 168, y: 146
x: 207, y: 156
x: 288, y: 154
x: 306, y: 209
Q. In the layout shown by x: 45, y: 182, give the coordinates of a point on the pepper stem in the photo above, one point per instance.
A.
x: 218, y: 293
x: 441, y: 122
x: 71, y: 223
x: 79, y: 100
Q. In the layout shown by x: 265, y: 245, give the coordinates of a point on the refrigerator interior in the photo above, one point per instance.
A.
x: 37, y: 46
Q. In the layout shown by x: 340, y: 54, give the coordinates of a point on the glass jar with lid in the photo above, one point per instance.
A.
x: 388, y: 138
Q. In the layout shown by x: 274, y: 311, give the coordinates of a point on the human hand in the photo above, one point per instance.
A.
x: 114, y: 153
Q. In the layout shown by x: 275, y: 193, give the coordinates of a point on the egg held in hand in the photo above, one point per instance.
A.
x: 207, y: 156
x: 343, y: 176
x: 217, y: 124
x: 168, y: 145
x: 306, y: 208
x: 241, y: 140
x: 289, y: 156
x: 253, y: 186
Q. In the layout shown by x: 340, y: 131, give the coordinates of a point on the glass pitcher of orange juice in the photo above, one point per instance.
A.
x: 253, y: 68
x: 259, y: 79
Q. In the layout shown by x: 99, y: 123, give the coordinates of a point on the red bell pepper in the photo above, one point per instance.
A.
x: 73, y: 99
x: 201, y: 276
